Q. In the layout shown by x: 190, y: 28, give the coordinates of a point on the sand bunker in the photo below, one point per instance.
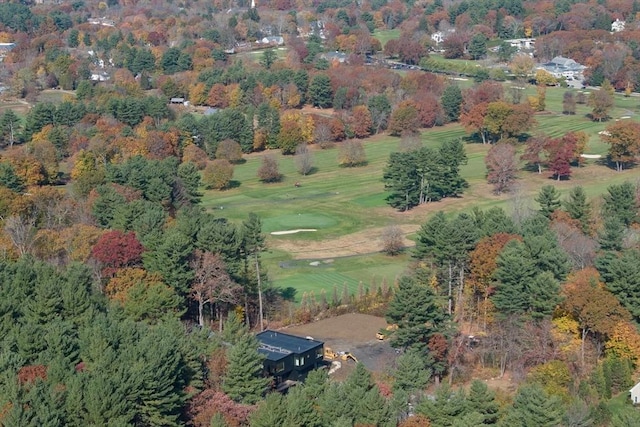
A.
x: 299, y: 230
x: 591, y: 156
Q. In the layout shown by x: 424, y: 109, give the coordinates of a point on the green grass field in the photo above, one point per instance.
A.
x: 339, y: 201
x: 385, y: 35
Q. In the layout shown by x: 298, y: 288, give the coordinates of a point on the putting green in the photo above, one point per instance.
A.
x: 298, y: 220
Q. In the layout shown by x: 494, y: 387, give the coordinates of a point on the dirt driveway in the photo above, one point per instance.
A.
x: 355, y: 333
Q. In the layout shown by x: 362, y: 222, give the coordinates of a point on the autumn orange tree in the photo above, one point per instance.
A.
x: 624, y: 140
x: 482, y: 266
x: 597, y: 311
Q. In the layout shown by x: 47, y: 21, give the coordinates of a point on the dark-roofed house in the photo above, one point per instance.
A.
x: 289, y: 357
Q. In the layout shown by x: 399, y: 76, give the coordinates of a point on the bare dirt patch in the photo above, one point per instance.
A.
x: 356, y: 333
x: 359, y: 243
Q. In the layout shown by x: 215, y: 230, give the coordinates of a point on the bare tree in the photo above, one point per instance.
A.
x: 269, y: 170
x: 322, y: 134
x: 580, y: 248
x: 352, y: 154
x: 22, y: 232
x: 501, y: 167
x: 392, y: 240
x: 520, y: 204
x: 212, y: 284
x: 303, y: 159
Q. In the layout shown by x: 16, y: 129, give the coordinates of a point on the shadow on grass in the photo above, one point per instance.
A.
x: 233, y: 184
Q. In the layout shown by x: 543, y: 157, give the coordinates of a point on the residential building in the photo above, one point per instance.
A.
x: 289, y: 358
x: 560, y: 67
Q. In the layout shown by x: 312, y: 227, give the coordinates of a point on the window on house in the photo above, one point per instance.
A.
x: 319, y: 354
x: 298, y: 361
x: 280, y: 367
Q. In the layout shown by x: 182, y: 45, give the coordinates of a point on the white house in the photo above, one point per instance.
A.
x: 635, y: 394
x: 564, y: 67
x: 522, y: 44
x: 617, y: 26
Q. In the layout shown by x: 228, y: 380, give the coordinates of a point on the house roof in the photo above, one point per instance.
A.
x: 277, y: 345
x: 635, y: 388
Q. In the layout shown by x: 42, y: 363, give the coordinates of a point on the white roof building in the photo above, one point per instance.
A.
x: 617, y: 26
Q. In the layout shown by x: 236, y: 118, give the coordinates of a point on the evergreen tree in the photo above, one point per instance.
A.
x: 578, y: 207
x: 9, y: 179
x: 549, y: 200
x: 411, y: 373
x: 612, y: 234
x: 528, y: 275
x: 446, y: 407
x: 171, y: 259
x: 300, y: 410
x: 478, y: 46
x: 272, y: 411
x: 243, y: 381
x: 10, y: 126
x: 320, y: 92
x: 482, y: 401
x: 622, y: 277
x: 187, y: 184
x: 532, y: 407
x: 451, y: 102
x: 621, y: 202
x: 452, y: 157
x: 415, y: 311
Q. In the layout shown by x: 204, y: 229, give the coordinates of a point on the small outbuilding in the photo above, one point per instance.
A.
x: 635, y: 394
x: 289, y: 357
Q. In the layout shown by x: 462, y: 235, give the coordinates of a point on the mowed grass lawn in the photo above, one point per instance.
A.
x: 339, y: 201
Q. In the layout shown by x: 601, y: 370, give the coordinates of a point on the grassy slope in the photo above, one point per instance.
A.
x: 339, y: 201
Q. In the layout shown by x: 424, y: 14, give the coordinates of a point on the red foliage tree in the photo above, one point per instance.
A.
x: 560, y: 152
x: 533, y: 151
x: 29, y: 374
x: 361, y: 122
x: 115, y: 250
x: 205, y: 405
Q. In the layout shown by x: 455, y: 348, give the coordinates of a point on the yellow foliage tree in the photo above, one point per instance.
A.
x: 545, y: 78
x: 126, y: 278
x: 198, y: 94
x: 235, y: 95
x: 624, y: 342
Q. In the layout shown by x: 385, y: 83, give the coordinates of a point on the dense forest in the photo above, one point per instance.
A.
x: 125, y: 301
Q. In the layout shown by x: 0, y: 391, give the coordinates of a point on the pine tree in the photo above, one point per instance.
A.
x: 243, y: 381
x: 272, y: 411
x: 171, y: 259
x: 549, y: 200
x: 482, y: 401
x: 451, y: 102
x: 578, y: 207
x: 612, y: 234
x: 300, y: 410
x: 532, y: 407
x: 415, y: 311
x: 445, y: 408
x: 411, y: 374
x: 621, y: 202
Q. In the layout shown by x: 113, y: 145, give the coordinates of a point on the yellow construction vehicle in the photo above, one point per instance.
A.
x: 384, y: 333
x: 329, y: 354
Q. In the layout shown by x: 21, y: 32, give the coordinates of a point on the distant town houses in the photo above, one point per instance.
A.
x: 5, y: 48
x: 522, y: 44
x: 271, y: 41
x: 336, y: 56
x: 102, y: 21
x: 560, y: 67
